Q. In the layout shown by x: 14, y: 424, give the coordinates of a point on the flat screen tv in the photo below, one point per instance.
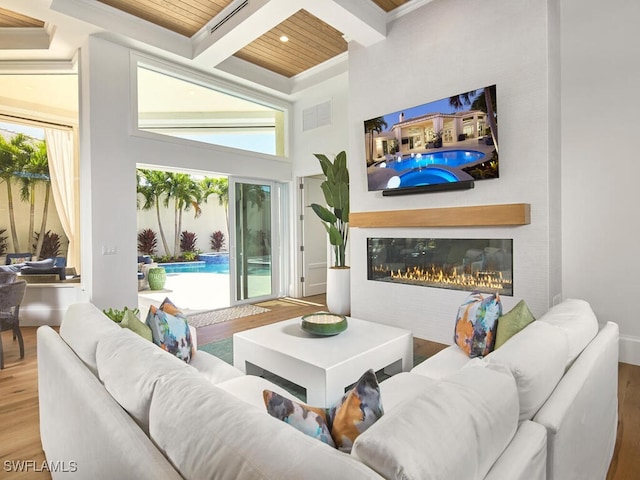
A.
x: 447, y: 144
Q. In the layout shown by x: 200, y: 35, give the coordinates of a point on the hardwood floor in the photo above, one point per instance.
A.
x: 19, y: 420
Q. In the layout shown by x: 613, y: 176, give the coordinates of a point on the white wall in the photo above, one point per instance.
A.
x: 109, y: 155
x: 445, y: 48
x: 328, y: 139
x: 600, y: 194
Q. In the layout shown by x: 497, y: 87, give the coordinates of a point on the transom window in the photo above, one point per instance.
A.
x: 172, y: 106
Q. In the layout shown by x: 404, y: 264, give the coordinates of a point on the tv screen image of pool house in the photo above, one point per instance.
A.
x: 446, y: 144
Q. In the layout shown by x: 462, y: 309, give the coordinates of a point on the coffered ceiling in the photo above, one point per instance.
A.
x: 270, y: 42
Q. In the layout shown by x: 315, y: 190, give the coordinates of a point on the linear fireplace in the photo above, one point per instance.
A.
x: 481, y: 265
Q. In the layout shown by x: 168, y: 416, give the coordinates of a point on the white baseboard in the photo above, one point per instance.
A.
x: 629, y: 350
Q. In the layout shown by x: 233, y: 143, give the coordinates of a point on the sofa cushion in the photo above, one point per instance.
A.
x: 476, y: 324
x: 170, y: 330
x: 398, y: 388
x: 249, y: 388
x: 455, y: 429
x: 129, y: 367
x: 82, y: 326
x: 46, y: 263
x: 536, y: 356
x: 512, y: 322
x: 214, y: 369
x: 206, y: 433
x: 577, y: 319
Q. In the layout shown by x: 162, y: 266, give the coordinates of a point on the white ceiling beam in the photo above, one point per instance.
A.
x: 119, y: 22
x: 362, y: 22
x: 252, y: 21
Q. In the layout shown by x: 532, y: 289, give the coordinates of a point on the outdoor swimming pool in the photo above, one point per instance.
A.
x: 430, y: 168
x: 196, y: 267
x: 207, y: 263
x: 449, y: 158
x: 216, y: 263
x: 427, y: 176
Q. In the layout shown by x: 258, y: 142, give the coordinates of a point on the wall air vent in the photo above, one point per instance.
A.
x: 228, y: 16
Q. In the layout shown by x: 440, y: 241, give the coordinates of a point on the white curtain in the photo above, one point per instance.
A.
x: 61, y: 157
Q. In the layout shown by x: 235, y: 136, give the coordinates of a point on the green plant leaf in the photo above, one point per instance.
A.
x: 324, y: 214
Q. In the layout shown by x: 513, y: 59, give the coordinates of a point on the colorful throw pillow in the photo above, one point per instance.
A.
x: 130, y: 321
x: 476, y: 324
x: 311, y: 421
x: 338, y: 426
x: 19, y: 260
x: 170, y: 331
x: 512, y: 322
x: 358, y: 409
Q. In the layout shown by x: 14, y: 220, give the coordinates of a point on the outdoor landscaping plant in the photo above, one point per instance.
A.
x: 336, y: 193
x: 188, y: 241
x: 147, y: 242
x: 217, y: 240
x: 3, y: 241
x: 50, y: 244
x: 117, y: 315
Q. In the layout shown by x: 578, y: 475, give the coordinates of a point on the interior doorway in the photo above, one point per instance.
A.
x: 314, y: 239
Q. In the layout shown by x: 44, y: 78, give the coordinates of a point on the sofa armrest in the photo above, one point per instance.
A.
x: 581, y: 414
x: 81, y: 423
x: 443, y: 363
x: 525, y: 458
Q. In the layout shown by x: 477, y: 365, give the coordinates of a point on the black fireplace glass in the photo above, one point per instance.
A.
x: 474, y: 265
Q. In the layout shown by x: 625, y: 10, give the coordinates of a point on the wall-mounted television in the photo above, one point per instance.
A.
x: 447, y: 144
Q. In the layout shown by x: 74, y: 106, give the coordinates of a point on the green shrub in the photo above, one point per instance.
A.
x: 118, y: 315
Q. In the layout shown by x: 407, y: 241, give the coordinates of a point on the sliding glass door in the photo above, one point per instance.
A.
x: 253, y: 253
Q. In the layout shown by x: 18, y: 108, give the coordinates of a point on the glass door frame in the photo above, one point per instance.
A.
x: 276, y: 191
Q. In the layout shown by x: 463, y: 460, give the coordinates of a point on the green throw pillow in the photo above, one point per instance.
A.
x: 512, y: 322
x: 130, y: 321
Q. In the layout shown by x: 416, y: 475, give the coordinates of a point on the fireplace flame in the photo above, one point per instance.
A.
x: 436, y: 276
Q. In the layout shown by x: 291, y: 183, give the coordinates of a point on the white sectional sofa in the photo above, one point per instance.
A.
x: 119, y: 407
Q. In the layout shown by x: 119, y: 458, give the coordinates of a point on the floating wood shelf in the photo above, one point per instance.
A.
x: 510, y: 214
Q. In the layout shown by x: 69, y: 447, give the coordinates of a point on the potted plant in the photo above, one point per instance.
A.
x: 335, y: 219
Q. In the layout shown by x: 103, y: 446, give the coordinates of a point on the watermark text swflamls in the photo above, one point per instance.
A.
x: 22, y: 466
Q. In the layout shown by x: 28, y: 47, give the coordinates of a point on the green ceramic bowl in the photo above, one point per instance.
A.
x: 323, y: 323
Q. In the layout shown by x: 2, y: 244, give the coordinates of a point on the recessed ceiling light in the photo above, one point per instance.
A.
x: 284, y: 38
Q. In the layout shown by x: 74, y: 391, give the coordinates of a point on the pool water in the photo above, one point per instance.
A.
x: 196, y: 267
x: 449, y: 158
x: 427, y: 176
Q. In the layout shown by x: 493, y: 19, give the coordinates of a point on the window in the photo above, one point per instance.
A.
x: 172, y: 106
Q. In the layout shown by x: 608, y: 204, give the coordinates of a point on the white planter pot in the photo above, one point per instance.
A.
x: 339, y: 290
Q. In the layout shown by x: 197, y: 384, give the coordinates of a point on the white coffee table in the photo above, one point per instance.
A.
x: 324, y: 366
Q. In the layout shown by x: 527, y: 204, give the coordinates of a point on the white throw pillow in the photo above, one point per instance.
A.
x: 579, y: 322
x: 455, y: 429
x: 536, y: 356
x: 130, y: 366
x: 82, y: 326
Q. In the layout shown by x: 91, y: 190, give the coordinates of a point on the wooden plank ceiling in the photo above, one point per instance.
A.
x: 311, y: 41
x: 9, y: 19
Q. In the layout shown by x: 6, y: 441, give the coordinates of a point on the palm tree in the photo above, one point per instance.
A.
x: 186, y: 193
x: 370, y: 126
x: 458, y: 101
x: 152, y: 185
x: 36, y: 171
x: 13, y: 156
x: 220, y: 188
